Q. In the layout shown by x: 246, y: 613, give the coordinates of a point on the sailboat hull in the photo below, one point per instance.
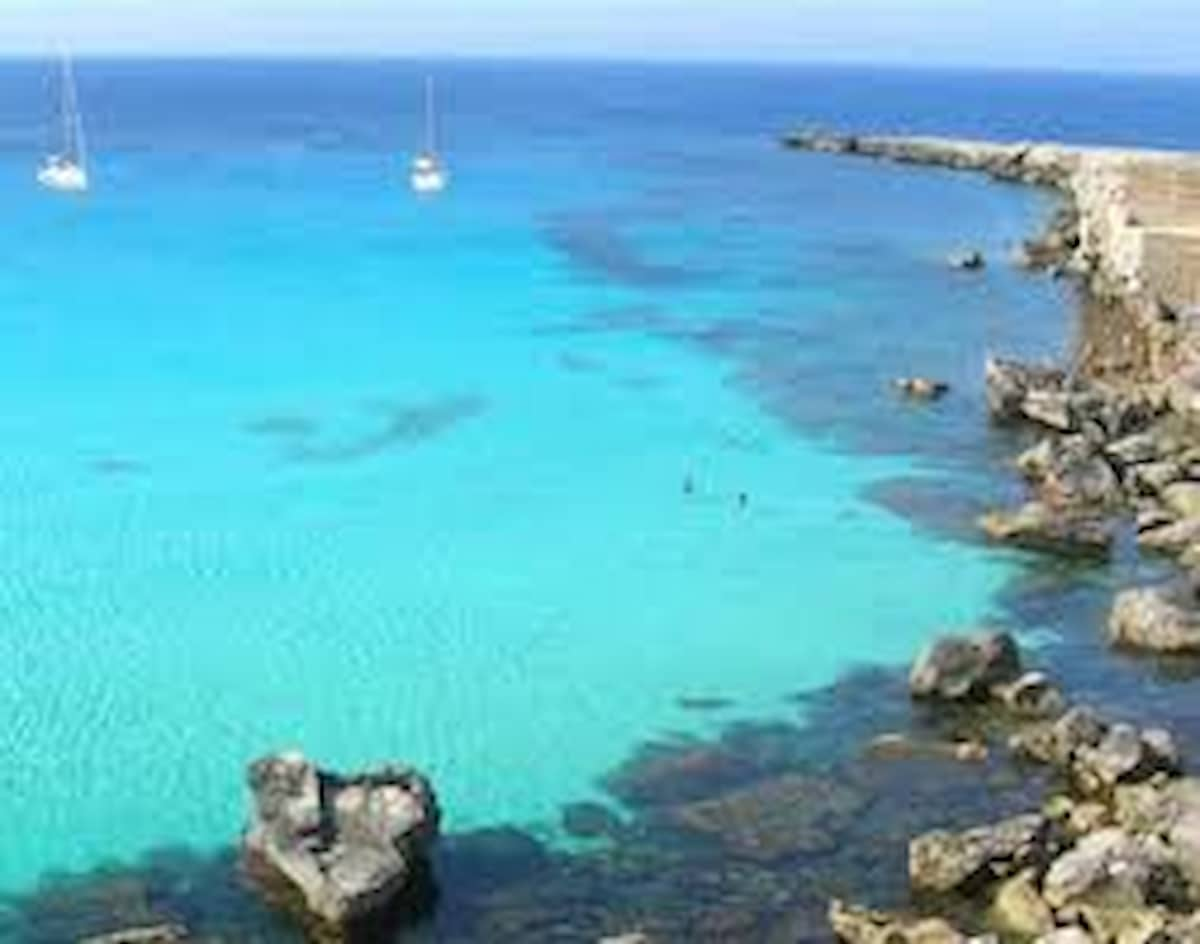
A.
x: 428, y: 181
x: 63, y: 178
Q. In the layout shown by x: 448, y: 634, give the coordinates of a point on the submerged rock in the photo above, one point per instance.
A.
x: 970, y: 260
x: 348, y: 847
x: 1038, y: 527
x: 958, y: 668
x: 776, y: 819
x: 921, y: 388
x: 590, y: 821
x: 1155, y: 619
x: 943, y: 861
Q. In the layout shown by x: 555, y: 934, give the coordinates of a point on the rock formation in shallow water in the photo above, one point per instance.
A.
x: 337, y: 849
x: 1156, y: 619
x: 957, y: 668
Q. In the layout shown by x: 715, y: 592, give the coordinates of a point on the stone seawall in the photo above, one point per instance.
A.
x: 1130, y: 230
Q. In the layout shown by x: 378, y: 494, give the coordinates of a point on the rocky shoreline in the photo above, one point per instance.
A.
x: 1113, y: 856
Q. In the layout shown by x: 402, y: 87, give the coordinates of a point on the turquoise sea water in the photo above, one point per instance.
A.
x: 291, y: 458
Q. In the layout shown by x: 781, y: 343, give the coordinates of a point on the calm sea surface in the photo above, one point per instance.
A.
x: 487, y: 483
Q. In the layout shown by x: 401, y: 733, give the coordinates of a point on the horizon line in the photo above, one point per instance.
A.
x: 769, y: 62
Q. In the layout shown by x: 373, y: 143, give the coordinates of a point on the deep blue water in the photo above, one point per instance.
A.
x: 293, y: 458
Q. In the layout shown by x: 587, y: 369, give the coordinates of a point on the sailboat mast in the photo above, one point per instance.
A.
x: 72, y: 120
x: 430, y: 131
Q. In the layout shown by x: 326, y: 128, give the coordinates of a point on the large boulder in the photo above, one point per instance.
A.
x: 1070, y: 471
x: 853, y: 925
x: 1156, y: 619
x: 1171, y: 537
x: 1010, y: 382
x: 1037, y: 526
x: 943, y: 861
x: 1018, y: 908
x: 1183, y: 498
x: 337, y: 849
x: 1113, y: 869
x: 959, y: 668
x: 152, y: 934
x: 1095, y: 755
x: 1123, y: 755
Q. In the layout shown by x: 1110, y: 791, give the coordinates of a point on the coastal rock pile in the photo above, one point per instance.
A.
x: 1114, y: 858
x: 155, y: 934
x: 337, y: 850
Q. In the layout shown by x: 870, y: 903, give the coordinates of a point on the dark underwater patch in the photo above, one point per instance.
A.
x: 402, y: 425
x: 283, y: 426
x: 598, y: 247
x: 118, y: 466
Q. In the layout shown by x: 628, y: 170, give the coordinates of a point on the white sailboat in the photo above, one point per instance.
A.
x: 66, y: 170
x: 429, y: 174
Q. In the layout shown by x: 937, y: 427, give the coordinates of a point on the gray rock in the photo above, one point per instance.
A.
x: 921, y: 388
x: 1153, y: 477
x: 1109, y: 866
x: 1050, y: 408
x: 156, y: 934
x: 1069, y: 935
x: 1032, y: 695
x: 1058, y: 743
x: 1070, y: 471
x: 957, y: 668
x: 1038, y: 527
x: 1124, y: 755
x: 346, y: 846
x: 1183, y: 498
x: 1138, y: 449
x: 1155, y: 619
x: 1018, y: 908
x: 1174, y: 537
x: 861, y: 926
x: 942, y: 861
x: 1009, y: 382
x: 968, y: 259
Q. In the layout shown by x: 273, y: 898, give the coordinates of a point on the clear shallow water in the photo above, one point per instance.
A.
x: 294, y: 459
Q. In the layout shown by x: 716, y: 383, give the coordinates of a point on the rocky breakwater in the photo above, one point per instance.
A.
x: 1128, y: 226
x: 1119, y: 427
x: 1111, y: 857
x: 342, y: 854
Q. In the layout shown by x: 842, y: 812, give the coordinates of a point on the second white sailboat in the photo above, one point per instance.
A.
x: 429, y: 174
